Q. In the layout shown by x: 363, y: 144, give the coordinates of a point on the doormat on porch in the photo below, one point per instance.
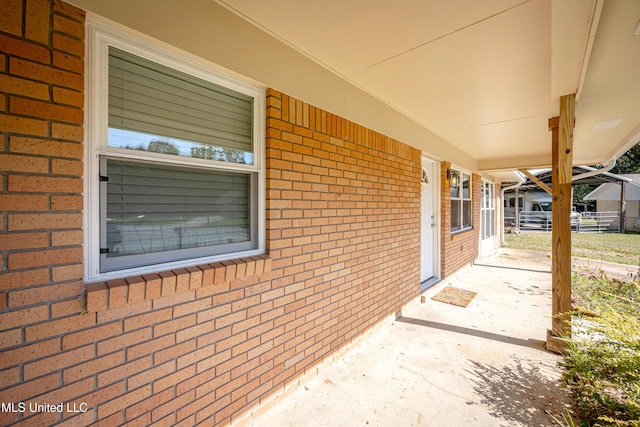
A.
x: 454, y: 296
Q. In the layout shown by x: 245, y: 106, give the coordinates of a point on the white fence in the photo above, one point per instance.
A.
x: 598, y: 222
x: 588, y: 222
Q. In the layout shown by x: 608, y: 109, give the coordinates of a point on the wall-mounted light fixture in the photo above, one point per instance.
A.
x: 453, y: 178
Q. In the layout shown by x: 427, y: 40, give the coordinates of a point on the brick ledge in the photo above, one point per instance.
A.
x: 103, y: 296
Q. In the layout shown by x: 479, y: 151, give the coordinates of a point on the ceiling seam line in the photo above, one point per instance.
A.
x: 446, y: 35
x: 506, y: 121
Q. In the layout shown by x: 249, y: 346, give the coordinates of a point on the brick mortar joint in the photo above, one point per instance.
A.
x: 103, y: 296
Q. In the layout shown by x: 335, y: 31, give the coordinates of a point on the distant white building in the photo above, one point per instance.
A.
x: 607, y: 197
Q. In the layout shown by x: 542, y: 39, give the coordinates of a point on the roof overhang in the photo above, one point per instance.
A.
x: 466, y: 81
x: 484, y: 76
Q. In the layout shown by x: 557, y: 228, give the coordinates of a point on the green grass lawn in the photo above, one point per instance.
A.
x: 613, y: 247
x: 603, y: 365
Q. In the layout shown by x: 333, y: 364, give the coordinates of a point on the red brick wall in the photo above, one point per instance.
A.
x: 343, y: 226
x: 460, y: 248
x: 203, y: 343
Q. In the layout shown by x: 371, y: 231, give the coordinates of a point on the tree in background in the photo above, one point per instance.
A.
x: 164, y: 147
x: 579, y: 191
x: 629, y: 162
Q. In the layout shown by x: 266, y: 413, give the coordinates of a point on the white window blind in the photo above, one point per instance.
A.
x: 157, y: 108
x: 156, y: 212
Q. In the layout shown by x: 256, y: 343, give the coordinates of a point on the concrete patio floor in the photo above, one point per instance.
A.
x: 443, y: 365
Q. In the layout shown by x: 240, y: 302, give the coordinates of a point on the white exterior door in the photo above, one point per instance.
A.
x: 427, y: 223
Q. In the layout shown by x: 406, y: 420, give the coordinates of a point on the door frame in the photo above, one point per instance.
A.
x: 433, y: 166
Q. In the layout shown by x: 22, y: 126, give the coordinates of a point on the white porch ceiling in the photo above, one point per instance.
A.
x: 483, y: 75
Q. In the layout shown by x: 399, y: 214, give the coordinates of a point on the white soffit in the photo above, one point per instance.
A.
x: 482, y: 75
x: 611, y: 88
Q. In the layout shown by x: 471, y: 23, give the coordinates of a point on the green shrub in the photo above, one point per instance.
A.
x: 603, y: 364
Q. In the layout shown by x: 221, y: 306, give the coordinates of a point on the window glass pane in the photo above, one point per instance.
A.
x: 492, y: 223
x: 483, y: 201
x: 455, y: 215
x: 155, y: 108
x: 161, y: 144
x: 486, y: 199
x: 488, y: 226
x: 483, y: 224
x: 487, y: 211
x: 491, y: 195
x: 466, y: 213
x: 546, y: 206
x: 153, y: 208
x: 465, y: 186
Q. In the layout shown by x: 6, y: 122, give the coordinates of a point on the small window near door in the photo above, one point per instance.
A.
x: 460, y: 201
x: 487, y: 211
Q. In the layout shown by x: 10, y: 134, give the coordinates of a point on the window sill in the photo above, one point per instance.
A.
x: 103, y: 296
x: 464, y: 230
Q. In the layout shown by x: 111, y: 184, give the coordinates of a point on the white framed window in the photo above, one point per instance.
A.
x: 175, y: 159
x: 487, y: 211
x: 461, y: 206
